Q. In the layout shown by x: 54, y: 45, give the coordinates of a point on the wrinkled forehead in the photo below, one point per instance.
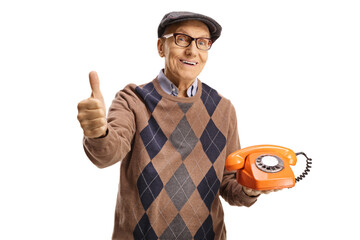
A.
x: 190, y: 27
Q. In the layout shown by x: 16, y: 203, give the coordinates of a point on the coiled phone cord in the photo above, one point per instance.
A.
x: 307, y: 169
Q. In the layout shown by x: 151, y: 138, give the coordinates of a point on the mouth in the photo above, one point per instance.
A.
x: 188, y: 62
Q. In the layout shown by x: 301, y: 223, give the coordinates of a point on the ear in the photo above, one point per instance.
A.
x: 161, y: 47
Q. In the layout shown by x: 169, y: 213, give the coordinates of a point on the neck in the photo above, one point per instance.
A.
x: 181, y: 84
x: 182, y: 93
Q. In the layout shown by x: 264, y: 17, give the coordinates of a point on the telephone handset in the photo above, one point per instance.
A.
x: 265, y: 167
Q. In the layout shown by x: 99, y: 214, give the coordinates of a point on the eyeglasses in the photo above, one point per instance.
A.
x: 184, y: 40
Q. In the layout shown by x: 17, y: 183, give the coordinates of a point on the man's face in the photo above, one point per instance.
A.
x: 177, y: 59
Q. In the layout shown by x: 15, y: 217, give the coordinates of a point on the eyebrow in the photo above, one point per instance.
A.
x: 181, y: 30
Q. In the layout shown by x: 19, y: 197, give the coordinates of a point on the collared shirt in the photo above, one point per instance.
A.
x: 171, y: 89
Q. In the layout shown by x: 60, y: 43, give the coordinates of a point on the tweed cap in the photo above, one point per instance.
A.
x: 175, y: 17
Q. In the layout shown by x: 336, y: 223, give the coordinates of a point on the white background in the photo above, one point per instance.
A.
x: 289, y: 67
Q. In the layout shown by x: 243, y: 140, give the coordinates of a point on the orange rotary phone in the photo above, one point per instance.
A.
x: 265, y: 167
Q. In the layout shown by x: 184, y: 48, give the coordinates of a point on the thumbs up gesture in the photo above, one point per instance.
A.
x: 92, y: 112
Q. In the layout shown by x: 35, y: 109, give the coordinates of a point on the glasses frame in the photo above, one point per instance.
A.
x: 192, y: 39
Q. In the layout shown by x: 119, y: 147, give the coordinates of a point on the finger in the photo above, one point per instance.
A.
x: 95, y: 85
x: 90, y: 103
x: 95, y: 133
x: 93, y: 124
x: 91, y: 114
x: 256, y: 192
x: 251, y: 192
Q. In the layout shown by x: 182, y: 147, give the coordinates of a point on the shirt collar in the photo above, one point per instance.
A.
x: 171, y: 89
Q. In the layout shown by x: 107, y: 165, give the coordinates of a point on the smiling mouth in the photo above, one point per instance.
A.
x: 188, y: 62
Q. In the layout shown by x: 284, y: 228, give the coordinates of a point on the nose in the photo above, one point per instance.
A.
x: 191, y: 50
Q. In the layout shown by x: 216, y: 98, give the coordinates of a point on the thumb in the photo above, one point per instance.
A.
x: 95, y: 86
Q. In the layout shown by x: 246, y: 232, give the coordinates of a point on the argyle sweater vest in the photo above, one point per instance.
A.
x: 172, y: 152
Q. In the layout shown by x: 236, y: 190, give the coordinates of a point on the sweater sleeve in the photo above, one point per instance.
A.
x: 112, y: 148
x: 230, y: 189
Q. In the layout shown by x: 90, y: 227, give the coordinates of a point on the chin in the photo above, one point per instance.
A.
x: 190, y: 73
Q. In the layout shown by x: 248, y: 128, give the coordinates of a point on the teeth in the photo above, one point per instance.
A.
x: 191, y: 63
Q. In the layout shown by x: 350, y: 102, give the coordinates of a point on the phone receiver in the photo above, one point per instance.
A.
x: 263, y: 167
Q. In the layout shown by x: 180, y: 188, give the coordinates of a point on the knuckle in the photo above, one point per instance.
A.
x: 96, y: 112
x: 102, y: 113
x: 84, y: 125
x: 103, y: 129
x: 95, y: 102
x: 82, y: 104
x: 103, y: 121
x: 89, y: 103
x: 87, y: 133
x: 80, y: 116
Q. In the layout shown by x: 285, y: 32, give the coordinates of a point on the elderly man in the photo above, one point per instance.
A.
x: 172, y: 136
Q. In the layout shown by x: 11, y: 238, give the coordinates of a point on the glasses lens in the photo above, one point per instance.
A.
x: 204, y: 43
x: 182, y: 40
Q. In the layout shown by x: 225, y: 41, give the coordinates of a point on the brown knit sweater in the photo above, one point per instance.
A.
x: 172, y: 152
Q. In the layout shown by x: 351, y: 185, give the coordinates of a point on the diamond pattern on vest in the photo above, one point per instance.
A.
x: 143, y: 229
x: 210, y: 98
x: 177, y: 230
x: 183, y: 138
x: 209, y: 187
x: 180, y: 187
x: 185, y: 106
x: 206, y: 230
x: 153, y: 137
x: 149, y: 185
x: 213, y: 141
x: 150, y: 96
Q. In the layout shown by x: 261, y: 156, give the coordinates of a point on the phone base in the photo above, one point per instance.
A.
x: 257, y: 178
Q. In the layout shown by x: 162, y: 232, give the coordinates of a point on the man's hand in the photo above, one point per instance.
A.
x: 254, y: 193
x: 92, y: 112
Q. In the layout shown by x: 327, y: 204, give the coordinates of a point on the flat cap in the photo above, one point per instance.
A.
x: 175, y: 17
